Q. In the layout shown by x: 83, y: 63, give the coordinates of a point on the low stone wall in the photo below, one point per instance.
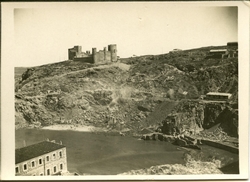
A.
x: 170, y: 138
x: 85, y: 59
x: 217, y: 145
x: 158, y: 136
x: 221, y: 146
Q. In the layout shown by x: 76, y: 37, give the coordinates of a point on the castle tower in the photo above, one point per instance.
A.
x: 78, y: 49
x: 113, y: 51
x: 71, y: 54
x: 74, y: 52
x: 94, y: 55
x: 105, y: 53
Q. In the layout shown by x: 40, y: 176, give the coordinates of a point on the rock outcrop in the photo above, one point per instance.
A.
x: 197, y: 116
x: 192, y: 167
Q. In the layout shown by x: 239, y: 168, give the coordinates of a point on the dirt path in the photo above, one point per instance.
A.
x: 122, y: 66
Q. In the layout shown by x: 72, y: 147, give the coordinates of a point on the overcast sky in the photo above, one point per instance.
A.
x: 44, y: 34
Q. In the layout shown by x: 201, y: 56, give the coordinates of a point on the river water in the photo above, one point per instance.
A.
x: 105, y: 154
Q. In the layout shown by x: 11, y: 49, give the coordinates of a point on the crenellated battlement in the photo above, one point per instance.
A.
x: 102, y: 56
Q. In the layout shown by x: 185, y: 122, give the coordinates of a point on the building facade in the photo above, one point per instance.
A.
x: 232, y: 49
x: 42, y: 159
x: 102, y: 56
x: 229, y: 52
x: 218, y: 96
x: 217, y: 53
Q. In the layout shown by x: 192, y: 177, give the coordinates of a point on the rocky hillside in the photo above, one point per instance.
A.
x: 132, y: 94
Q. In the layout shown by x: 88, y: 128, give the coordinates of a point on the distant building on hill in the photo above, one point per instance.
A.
x: 42, y: 159
x: 218, y: 96
x: 232, y: 45
x: 102, y: 56
x: 175, y: 50
x: 230, y: 51
x: 217, y: 53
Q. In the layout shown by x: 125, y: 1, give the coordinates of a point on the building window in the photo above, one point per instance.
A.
x: 33, y: 164
x: 54, y: 169
x: 60, y: 154
x: 47, y: 158
x: 25, y: 167
x: 40, y: 161
x: 54, y: 156
x: 61, y: 166
x: 48, y: 171
x: 41, y: 174
x: 17, y: 170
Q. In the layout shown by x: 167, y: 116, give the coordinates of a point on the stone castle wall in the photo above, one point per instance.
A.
x: 102, y: 56
x: 85, y: 59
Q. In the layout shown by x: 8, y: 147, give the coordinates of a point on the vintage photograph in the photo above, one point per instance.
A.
x: 131, y: 88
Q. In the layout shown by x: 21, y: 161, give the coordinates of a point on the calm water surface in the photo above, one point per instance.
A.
x: 100, y: 154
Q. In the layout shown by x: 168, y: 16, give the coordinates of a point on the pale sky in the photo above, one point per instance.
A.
x: 44, y: 34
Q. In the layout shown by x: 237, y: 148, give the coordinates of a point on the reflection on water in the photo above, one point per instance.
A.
x: 99, y: 153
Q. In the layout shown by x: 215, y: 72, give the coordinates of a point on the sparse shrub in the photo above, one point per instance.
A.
x: 27, y: 74
x: 121, y: 101
x: 64, y: 88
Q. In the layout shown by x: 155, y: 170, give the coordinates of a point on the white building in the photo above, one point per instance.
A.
x: 218, y: 96
x: 42, y: 159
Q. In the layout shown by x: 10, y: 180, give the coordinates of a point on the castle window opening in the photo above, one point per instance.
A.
x: 54, y: 169
x: 25, y: 167
x: 54, y: 156
x: 41, y: 174
x: 40, y: 161
x: 60, y: 154
x: 61, y: 166
x: 48, y: 171
x: 47, y: 158
x: 17, y: 169
x: 33, y: 164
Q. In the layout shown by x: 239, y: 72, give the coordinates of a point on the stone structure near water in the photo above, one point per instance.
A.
x: 42, y: 159
x: 102, y: 56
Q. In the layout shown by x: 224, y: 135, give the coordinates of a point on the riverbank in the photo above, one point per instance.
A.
x: 194, y: 140
x: 85, y: 128
x: 192, y: 167
x: 218, y: 144
x: 82, y: 128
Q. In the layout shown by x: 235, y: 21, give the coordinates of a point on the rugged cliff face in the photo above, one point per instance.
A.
x: 196, y: 116
x: 133, y: 94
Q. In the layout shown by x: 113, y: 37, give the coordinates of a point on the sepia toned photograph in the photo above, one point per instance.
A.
x: 127, y: 89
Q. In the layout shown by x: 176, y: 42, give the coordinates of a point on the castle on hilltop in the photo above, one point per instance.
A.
x: 102, y: 56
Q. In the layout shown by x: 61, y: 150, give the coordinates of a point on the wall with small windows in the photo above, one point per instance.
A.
x: 97, y: 57
x: 48, y: 164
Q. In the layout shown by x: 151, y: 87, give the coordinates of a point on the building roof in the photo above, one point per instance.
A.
x: 232, y: 44
x: 35, y: 150
x: 218, y: 50
x: 219, y: 93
